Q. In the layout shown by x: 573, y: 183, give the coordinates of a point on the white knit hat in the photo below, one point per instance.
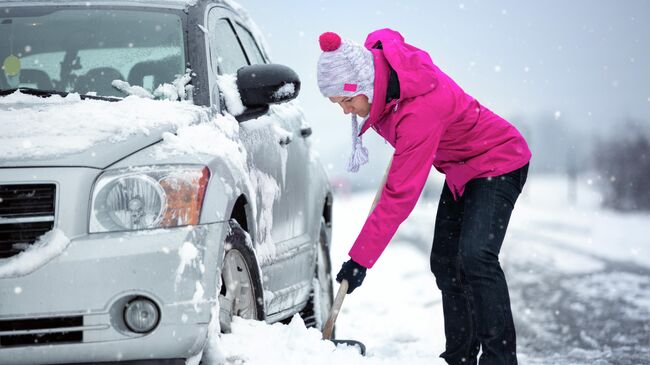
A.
x: 347, y: 69
x: 344, y: 68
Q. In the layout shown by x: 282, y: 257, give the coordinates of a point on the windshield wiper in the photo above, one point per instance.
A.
x: 46, y: 93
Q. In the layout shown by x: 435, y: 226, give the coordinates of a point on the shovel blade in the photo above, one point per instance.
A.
x: 358, y: 345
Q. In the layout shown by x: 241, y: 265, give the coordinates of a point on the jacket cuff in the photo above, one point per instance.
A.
x: 360, y: 257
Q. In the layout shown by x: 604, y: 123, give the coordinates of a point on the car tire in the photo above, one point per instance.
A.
x: 239, y: 265
x: 317, y: 309
x: 241, y: 286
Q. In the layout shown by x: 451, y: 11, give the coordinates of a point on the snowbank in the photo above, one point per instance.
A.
x: 255, y: 342
x: 48, y: 246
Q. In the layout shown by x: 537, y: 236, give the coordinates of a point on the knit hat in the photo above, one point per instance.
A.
x: 347, y: 69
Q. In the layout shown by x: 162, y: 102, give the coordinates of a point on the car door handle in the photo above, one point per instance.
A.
x: 285, y: 141
x: 305, y: 132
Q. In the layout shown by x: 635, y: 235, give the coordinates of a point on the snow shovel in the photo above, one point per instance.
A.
x: 329, y: 325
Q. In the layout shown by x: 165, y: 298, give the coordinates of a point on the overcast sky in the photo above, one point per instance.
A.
x: 584, y: 63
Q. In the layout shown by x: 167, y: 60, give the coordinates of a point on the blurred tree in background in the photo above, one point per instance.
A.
x: 623, y: 163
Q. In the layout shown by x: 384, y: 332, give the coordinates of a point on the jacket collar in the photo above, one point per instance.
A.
x: 378, y: 106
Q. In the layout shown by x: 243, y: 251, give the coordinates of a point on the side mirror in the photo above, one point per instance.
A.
x: 267, y: 84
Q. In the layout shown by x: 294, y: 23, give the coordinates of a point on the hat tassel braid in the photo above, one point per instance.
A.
x: 359, y: 154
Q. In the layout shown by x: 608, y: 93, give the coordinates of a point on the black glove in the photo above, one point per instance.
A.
x: 353, y: 273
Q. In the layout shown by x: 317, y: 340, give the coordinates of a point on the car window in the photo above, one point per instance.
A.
x: 252, y: 50
x: 227, y: 54
x: 85, y: 50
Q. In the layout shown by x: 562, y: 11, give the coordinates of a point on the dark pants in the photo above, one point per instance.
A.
x: 465, y: 260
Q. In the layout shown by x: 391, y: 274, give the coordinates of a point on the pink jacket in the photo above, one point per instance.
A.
x: 433, y: 123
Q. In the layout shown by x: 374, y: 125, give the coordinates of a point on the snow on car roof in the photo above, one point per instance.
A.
x: 120, y: 2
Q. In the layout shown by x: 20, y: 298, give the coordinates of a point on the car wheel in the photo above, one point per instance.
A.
x: 320, y: 301
x: 240, y: 293
x: 241, y: 289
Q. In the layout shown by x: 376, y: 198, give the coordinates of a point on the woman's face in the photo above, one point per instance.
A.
x: 358, y: 105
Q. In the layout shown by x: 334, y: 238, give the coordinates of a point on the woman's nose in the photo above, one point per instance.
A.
x: 346, y: 109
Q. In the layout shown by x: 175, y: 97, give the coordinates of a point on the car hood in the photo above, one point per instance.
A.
x: 98, y: 156
x: 68, y: 131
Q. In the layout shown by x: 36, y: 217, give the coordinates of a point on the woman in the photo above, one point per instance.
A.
x: 431, y: 121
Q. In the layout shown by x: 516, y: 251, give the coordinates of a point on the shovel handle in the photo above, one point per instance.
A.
x: 336, y: 307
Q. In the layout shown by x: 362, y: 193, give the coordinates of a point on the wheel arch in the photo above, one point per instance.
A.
x: 242, y: 212
x: 327, y: 209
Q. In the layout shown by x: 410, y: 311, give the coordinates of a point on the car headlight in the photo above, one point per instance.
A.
x: 148, y: 197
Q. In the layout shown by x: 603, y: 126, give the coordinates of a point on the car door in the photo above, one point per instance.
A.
x: 292, y: 118
x: 268, y: 141
x: 300, y: 250
x: 259, y: 139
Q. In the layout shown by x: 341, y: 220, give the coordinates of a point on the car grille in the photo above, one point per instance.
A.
x: 26, y: 213
x: 26, y: 332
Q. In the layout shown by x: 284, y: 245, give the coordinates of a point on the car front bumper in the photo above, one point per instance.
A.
x: 93, y: 279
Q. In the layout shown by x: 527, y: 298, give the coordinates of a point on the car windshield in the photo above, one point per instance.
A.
x: 85, y: 50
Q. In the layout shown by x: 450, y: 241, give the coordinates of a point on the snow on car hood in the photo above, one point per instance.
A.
x: 69, y: 131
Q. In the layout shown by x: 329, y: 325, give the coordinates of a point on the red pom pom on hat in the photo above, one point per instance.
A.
x: 329, y: 41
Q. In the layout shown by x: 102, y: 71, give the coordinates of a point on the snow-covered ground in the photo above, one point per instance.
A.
x: 396, y: 313
x: 579, y: 278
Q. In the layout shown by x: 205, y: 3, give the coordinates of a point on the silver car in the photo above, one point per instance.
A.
x: 111, y: 252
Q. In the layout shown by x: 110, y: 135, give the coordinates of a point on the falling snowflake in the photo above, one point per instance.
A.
x: 557, y: 114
